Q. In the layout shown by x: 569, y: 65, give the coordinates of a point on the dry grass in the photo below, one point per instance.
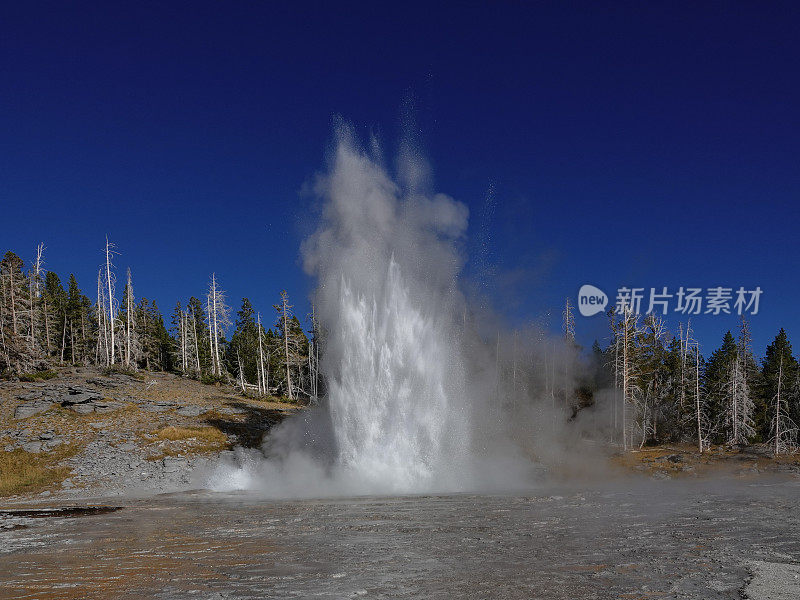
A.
x: 208, y: 435
x: 26, y: 472
x: 686, y: 460
x: 188, y: 440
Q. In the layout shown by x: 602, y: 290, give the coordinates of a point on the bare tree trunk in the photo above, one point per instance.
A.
x: 184, y: 328
x: 286, y: 343
x: 210, y: 337
x: 262, y: 386
x: 13, y: 303
x: 110, y: 299
x: 241, y: 370
x: 778, y: 408
x: 697, y: 401
x: 47, y: 328
x: 196, y: 344
x: 63, y: 338
x: 71, y: 343
x: 216, y: 330
x: 102, y: 325
x: 32, y: 319
x: 128, y: 319
x: 83, y: 337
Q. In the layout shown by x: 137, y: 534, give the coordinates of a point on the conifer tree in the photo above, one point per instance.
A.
x: 294, y: 345
x: 57, y: 301
x: 79, y: 316
x: 242, y: 355
x: 717, y: 377
x: 196, y: 322
x: 779, y: 394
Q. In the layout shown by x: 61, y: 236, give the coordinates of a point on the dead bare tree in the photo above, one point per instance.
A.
x: 35, y: 291
x: 219, y: 318
x: 130, y: 323
x: 784, y: 438
x: 109, y: 283
x: 627, y: 369
x: 292, y: 354
x: 263, y: 371
x: 103, y: 347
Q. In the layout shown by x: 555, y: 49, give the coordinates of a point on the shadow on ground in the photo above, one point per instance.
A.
x: 250, y: 425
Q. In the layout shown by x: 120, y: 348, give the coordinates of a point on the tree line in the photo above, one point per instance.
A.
x: 42, y: 322
x: 657, y: 385
x: 665, y: 390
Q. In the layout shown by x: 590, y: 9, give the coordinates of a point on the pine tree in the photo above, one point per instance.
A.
x: 717, y: 382
x: 626, y: 333
x: 242, y: 355
x: 201, y: 356
x: 739, y: 425
x: 653, y: 376
x: 294, y: 349
x: 778, y: 404
x: 79, y: 316
x: 14, y: 287
x: 131, y: 347
x: 58, y: 304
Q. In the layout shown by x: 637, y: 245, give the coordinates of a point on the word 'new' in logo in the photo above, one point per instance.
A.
x: 591, y: 300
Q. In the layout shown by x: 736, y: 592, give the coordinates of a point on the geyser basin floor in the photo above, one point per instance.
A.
x: 653, y: 540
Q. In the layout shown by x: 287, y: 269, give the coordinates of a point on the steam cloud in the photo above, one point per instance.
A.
x: 412, y: 402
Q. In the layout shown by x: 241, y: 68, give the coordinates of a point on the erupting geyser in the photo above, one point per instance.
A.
x: 397, y: 410
x: 386, y: 265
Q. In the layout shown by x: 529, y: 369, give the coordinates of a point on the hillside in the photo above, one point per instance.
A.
x: 86, y: 432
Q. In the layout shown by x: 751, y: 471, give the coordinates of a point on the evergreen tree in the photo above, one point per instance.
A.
x: 294, y: 350
x: 57, y: 322
x: 243, y: 348
x: 79, y: 315
x: 716, y: 383
x: 778, y: 360
x: 14, y: 296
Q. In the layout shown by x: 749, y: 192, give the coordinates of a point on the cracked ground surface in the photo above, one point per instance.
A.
x: 638, y: 539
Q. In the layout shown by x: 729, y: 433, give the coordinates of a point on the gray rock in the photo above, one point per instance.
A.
x: 32, y: 447
x: 50, y: 444
x: 106, y: 406
x: 159, y: 406
x: 82, y: 409
x: 173, y: 464
x: 23, y: 411
x: 190, y: 411
x: 47, y: 435
x: 29, y: 396
x: 80, y: 398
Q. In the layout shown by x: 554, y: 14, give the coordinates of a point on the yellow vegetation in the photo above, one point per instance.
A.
x: 26, y: 472
x: 193, y: 440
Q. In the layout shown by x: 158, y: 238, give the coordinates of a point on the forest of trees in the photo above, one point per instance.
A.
x: 658, y: 387
x: 664, y: 390
x: 43, y: 323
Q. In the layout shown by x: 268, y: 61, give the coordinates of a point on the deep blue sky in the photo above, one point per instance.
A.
x: 643, y: 144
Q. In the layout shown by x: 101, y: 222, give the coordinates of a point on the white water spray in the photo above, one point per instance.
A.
x: 397, y: 414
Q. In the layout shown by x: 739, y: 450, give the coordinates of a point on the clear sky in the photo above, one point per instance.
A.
x: 621, y: 143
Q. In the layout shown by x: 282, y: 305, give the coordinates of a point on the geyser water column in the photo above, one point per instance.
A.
x: 386, y: 262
